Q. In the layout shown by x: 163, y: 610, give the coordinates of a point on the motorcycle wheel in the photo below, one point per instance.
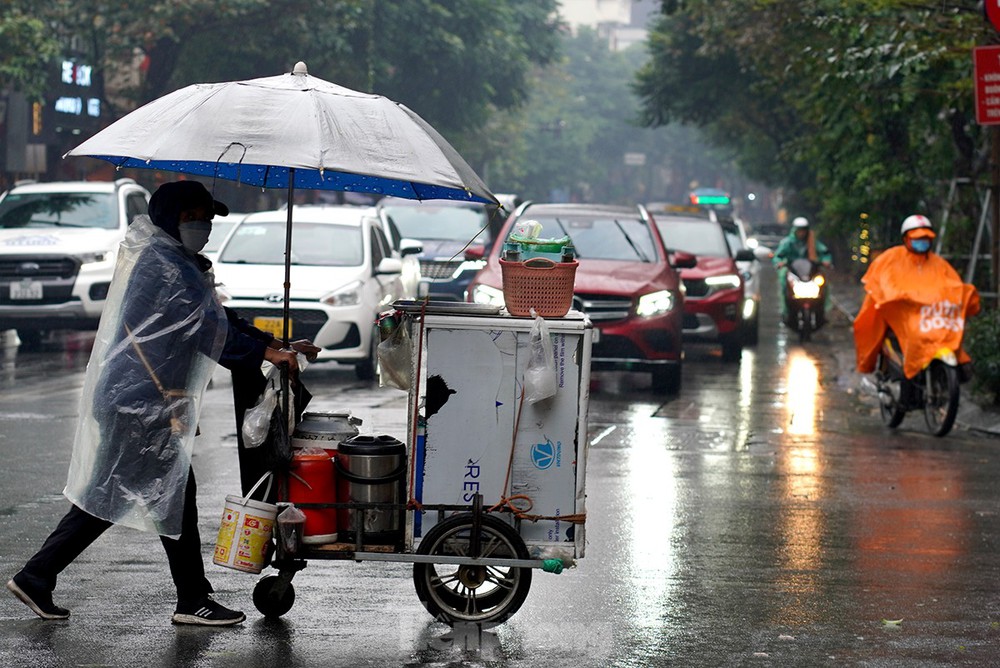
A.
x: 940, y: 397
x: 805, y: 324
x: 888, y: 407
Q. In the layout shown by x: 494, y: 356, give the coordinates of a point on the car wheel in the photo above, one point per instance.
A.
x: 732, y: 348
x: 751, y: 331
x: 667, y: 379
x: 31, y: 339
x: 368, y: 368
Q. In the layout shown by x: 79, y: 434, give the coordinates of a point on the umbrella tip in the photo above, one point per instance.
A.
x: 300, y: 68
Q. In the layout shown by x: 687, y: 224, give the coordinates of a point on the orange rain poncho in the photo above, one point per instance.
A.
x: 919, y: 297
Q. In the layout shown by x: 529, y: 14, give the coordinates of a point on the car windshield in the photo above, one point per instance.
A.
x: 59, y: 210
x: 450, y: 223
x: 695, y: 237
x: 601, y: 237
x: 315, y: 244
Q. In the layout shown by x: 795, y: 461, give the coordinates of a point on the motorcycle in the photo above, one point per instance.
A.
x: 935, y: 388
x: 805, y: 296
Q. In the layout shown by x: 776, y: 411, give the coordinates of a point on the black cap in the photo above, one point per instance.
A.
x: 170, y: 199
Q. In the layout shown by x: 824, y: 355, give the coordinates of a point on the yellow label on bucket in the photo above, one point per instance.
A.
x: 230, y: 520
x: 252, y: 546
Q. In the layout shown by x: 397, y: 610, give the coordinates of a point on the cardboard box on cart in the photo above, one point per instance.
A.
x: 471, y: 390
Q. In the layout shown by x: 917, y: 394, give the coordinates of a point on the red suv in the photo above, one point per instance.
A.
x: 625, y: 284
x: 713, y: 288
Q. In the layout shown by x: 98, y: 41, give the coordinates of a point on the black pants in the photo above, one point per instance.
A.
x: 78, y: 529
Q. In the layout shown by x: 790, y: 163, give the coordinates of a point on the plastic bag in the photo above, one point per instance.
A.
x: 291, y: 523
x: 257, y: 421
x: 394, y: 359
x: 540, y: 376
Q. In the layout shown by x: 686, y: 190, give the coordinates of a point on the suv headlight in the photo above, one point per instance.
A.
x: 655, y: 303
x: 723, y: 282
x: 93, y: 258
x: 484, y: 294
x: 349, y: 295
x: 468, y: 265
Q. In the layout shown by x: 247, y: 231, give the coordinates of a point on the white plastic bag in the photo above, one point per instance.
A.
x: 394, y: 357
x: 540, y: 376
x: 257, y: 420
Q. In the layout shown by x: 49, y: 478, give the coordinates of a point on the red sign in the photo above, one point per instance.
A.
x: 986, y: 70
x: 993, y: 12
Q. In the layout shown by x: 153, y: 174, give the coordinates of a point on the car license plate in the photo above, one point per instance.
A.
x: 273, y: 326
x: 26, y: 289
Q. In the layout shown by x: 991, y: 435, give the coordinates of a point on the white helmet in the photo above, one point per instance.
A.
x: 915, y: 222
x: 800, y: 222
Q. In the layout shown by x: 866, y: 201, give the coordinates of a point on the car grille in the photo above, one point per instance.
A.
x: 438, y: 269
x: 306, y: 322
x: 57, y: 273
x: 38, y: 267
x: 602, y: 308
x: 695, y: 288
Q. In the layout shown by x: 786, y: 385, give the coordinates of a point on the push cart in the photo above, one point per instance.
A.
x: 492, y: 486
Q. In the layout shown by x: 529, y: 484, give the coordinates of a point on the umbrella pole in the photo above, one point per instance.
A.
x: 285, y: 384
x: 288, y: 254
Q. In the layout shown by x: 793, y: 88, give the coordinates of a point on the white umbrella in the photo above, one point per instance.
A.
x: 258, y: 131
x: 290, y: 131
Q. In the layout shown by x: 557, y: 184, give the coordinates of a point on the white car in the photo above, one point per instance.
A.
x: 58, y: 245
x: 343, y: 274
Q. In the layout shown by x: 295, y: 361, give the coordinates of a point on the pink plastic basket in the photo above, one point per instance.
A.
x: 538, y: 283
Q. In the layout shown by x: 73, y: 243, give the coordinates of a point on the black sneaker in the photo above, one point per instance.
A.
x: 38, y: 600
x: 207, y: 612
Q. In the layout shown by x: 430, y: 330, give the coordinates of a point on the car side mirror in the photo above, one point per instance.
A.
x: 684, y: 260
x: 763, y: 253
x: 389, y: 265
x: 745, y: 255
x: 410, y: 247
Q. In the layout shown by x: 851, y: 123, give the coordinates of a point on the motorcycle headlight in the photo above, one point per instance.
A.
x: 655, y: 303
x: 806, y: 289
x: 724, y: 281
x: 348, y: 295
x: 484, y: 294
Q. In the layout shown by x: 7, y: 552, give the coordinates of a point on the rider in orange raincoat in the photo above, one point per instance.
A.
x: 919, y: 296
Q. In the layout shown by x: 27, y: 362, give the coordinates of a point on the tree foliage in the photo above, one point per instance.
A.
x: 450, y: 60
x: 570, y: 139
x: 856, y: 106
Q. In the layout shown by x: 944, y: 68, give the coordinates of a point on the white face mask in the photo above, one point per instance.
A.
x: 194, y: 234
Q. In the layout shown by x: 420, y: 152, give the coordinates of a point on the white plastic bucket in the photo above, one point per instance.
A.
x: 245, y: 532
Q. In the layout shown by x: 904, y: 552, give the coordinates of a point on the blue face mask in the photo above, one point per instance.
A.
x: 920, y: 245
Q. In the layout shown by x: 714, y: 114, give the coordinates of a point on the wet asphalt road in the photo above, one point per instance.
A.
x: 762, y: 517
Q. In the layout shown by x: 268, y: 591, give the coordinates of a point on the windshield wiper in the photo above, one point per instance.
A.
x: 638, y: 251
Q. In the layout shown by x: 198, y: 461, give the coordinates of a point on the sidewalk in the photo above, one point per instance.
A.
x: 846, y: 298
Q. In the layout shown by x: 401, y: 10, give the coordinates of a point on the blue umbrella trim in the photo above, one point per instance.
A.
x: 265, y: 176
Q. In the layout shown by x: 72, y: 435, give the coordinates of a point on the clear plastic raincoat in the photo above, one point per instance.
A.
x: 922, y: 299
x: 160, y: 337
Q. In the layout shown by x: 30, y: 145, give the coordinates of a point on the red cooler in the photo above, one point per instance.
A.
x: 312, y: 481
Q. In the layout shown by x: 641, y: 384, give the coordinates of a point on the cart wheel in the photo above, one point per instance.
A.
x: 485, y: 595
x: 269, y: 600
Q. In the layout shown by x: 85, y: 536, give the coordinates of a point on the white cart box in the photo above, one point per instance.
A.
x: 470, y: 397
